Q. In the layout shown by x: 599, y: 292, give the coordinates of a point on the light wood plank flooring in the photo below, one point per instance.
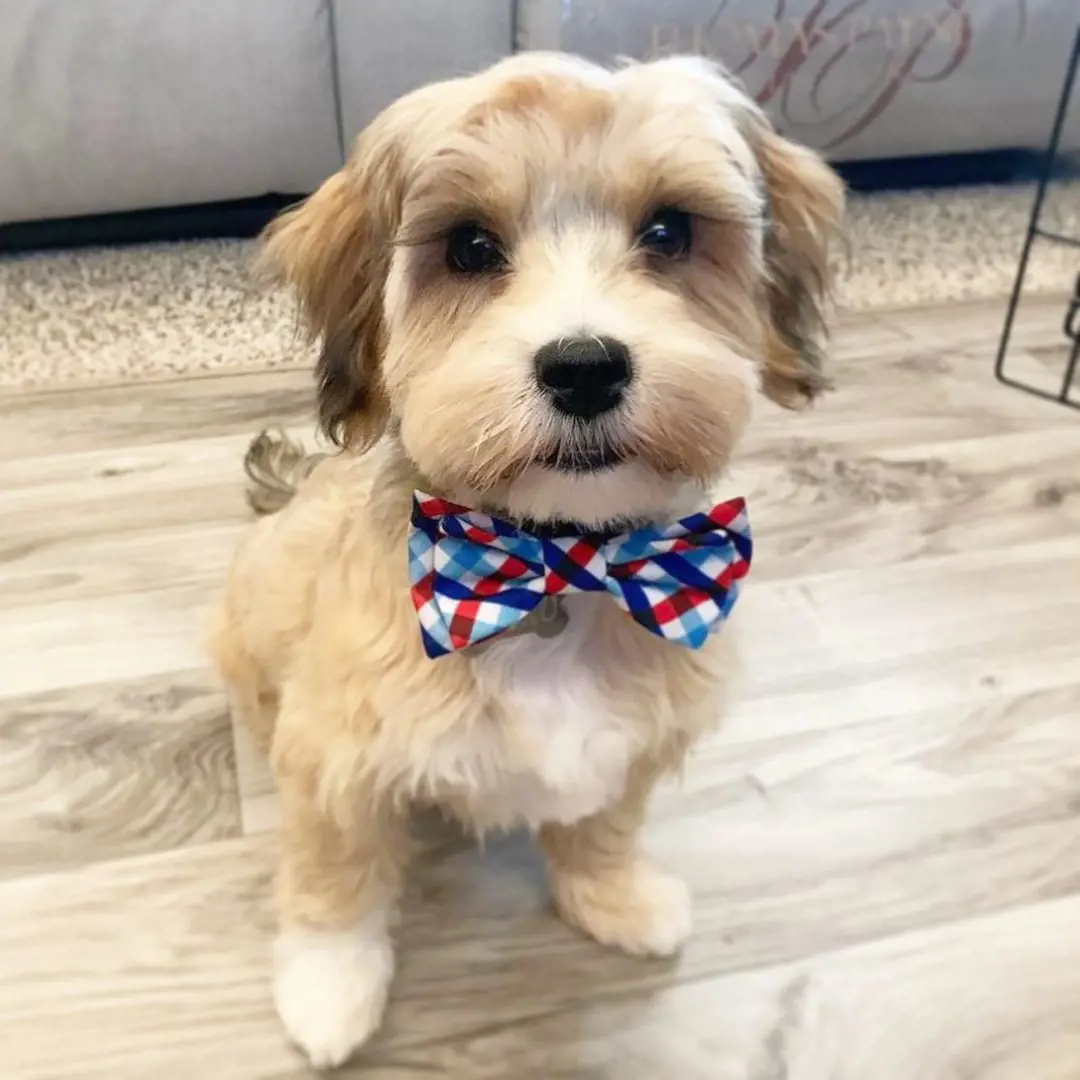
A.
x: 884, y: 842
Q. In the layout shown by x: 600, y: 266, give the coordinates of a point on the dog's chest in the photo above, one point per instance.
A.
x: 558, y: 747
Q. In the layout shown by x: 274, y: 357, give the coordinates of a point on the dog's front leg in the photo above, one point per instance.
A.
x: 342, y: 862
x: 603, y: 884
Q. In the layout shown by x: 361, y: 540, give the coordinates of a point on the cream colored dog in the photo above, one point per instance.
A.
x: 651, y: 224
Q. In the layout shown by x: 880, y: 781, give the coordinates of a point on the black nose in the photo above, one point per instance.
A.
x: 584, y: 376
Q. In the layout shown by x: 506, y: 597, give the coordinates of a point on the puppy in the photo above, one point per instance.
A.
x: 648, y: 228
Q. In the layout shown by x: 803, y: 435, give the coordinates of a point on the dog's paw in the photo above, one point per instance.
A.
x: 330, y: 989
x: 642, y: 911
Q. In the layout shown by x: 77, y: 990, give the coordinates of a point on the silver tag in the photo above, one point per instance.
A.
x: 547, y: 620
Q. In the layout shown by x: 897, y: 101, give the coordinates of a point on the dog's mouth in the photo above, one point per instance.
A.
x: 583, y: 460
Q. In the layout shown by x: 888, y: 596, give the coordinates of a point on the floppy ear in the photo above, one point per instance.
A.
x: 334, y: 251
x: 806, y: 204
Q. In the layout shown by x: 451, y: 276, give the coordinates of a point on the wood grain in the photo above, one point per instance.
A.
x: 101, y: 639
x: 798, y: 848
x: 95, y: 773
x: 883, y: 841
x: 116, y: 491
x: 66, y: 421
x: 821, y: 506
x: 1013, y: 994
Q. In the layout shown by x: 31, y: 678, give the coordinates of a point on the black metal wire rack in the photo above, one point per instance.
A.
x: 1035, y: 231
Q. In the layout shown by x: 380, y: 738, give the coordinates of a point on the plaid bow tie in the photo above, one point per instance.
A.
x: 474, y: 576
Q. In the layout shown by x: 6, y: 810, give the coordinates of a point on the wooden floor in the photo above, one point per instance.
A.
x: 884, y: 843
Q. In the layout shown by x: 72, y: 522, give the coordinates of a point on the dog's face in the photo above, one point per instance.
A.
x: 561, y: 286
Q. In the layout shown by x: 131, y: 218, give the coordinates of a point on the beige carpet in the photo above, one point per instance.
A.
x: 156, y: 311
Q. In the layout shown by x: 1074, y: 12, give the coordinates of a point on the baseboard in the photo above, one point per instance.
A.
x: 952, y: 170
x: 203, y: 221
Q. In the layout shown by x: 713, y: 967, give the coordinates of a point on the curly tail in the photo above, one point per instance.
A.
x: 275, y: 466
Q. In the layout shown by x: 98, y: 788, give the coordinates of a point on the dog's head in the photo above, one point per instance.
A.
x: 561, y: 286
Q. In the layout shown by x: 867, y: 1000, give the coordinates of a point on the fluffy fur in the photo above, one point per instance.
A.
x: 426, y: 380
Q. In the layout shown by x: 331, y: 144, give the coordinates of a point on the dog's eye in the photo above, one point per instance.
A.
x: 472, y: 250
x: 666, y: 233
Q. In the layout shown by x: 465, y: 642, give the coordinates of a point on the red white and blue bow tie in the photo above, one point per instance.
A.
x: 474, y: 576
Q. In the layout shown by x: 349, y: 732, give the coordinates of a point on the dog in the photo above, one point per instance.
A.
x: 550, y: 292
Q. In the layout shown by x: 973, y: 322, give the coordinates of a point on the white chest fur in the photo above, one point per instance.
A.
x: 557, y: 749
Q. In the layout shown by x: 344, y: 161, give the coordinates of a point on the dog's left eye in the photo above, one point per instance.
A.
x: 472, y: 250
x: 666, y: 233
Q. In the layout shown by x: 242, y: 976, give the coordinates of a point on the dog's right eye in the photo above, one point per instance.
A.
x: 473, y: 250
